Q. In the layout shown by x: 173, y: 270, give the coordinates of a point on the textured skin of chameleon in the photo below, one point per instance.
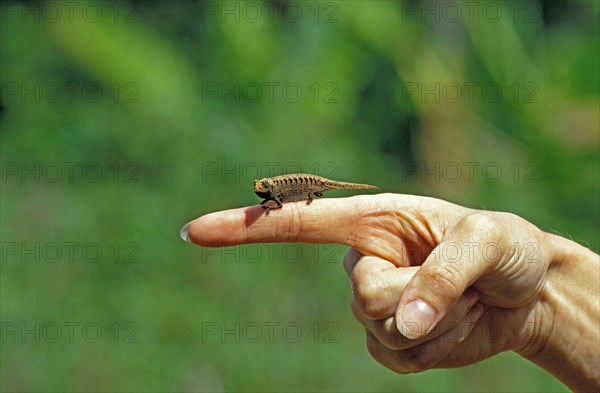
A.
x: 298, y: 187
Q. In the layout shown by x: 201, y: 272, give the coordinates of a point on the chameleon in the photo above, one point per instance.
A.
x: 298, y: 187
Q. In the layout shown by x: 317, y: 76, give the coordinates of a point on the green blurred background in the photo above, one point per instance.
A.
x: 121, y: 121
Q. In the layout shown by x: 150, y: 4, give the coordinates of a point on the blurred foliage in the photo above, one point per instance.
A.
x: 196, y: 99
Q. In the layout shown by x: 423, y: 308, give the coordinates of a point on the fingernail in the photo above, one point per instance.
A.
x: 184, y: 232
x: 416, y: 319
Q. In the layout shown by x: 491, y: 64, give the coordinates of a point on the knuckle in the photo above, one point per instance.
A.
x: 408, y: 361
x: 397, y: 342
x: 445, y: 280
x: 390, y: 336
x: 370, y: 295
x: 372, y: 347
x: 418, y: 359
x: 483, y: 223
x: 392, y: 362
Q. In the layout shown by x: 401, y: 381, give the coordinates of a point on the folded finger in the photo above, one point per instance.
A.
x: 429, y: 354
x: 377, y: 284
x: 387, y: 333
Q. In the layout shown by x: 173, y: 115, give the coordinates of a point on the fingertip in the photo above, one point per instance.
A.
x: 214, y: 230
x: 193, y: 232
x: 184, y: 232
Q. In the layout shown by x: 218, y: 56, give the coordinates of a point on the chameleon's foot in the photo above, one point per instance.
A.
x: 311, y: 195
x: 269, y: 208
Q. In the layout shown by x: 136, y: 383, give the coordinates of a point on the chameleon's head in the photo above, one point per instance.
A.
x: 263, y: 187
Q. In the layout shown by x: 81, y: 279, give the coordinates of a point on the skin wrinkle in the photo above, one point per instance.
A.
x: 423, y: 228
x: 244, y: 229
x: 511, y: 293
x: 355, y: 215
x: 539, y: 321
x: 370, y: 234
x: 511, y: 269
x: 551, y: 299
x: 445, y: 279
x: 374, y: 242
x: 294, y: 224
x: 339, y: 221
x: 379, y: 235
x: 405, y: 226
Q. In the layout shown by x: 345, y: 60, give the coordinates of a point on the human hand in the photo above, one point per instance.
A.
x: 435, y: 284
x: 475, y: 292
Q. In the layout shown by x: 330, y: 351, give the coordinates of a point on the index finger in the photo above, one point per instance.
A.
x: 400, y: 228
x: 324, y: 221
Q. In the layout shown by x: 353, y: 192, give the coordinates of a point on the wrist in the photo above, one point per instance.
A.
x: 565, y: 338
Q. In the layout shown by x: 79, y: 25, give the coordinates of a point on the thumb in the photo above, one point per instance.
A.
x: 447, y: 272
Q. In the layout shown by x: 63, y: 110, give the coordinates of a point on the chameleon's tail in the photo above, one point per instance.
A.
x: 340, y: 185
